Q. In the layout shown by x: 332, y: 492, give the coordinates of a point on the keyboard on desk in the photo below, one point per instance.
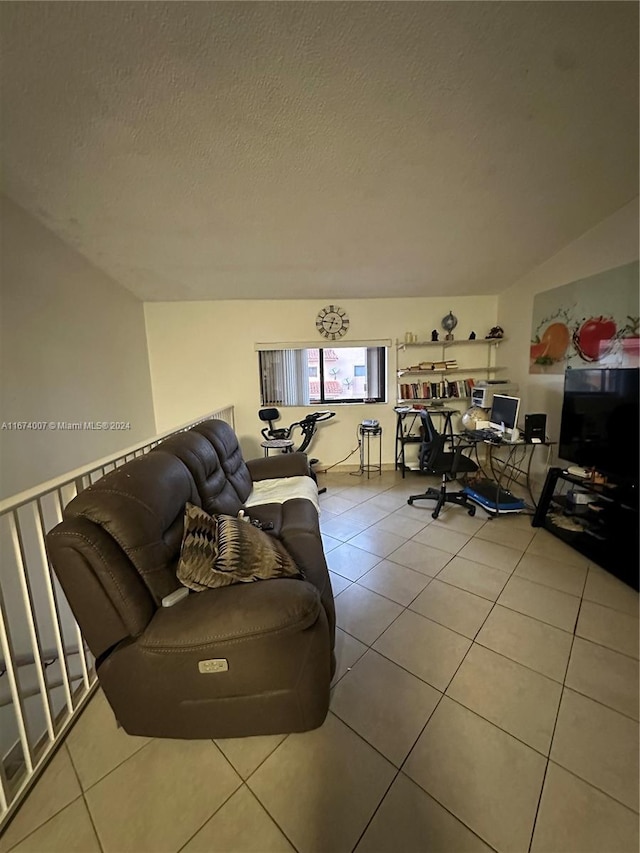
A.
x: 485, y: 435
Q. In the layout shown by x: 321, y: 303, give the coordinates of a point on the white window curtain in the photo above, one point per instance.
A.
x: 374, y: 385
x: 284, y: 377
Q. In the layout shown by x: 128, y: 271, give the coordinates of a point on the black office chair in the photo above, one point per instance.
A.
x: 435, y: 459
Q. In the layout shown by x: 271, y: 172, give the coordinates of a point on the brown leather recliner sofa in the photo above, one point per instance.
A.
x: 115, y: 554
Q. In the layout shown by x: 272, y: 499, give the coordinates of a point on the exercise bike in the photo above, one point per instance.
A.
x: 308, y: 426
x: 279, y: 438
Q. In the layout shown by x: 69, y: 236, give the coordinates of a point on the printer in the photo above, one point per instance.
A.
x: 483, y: 391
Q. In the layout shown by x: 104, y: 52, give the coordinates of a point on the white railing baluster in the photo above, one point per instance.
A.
x: 4, y: 792
x: 27, y: 598
x: 82, y: 656
x: 53, y: 604
x: 18, y: 707
x: 58, y: 504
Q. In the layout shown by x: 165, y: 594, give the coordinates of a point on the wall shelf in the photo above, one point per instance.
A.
x: 408, y: 371
x: 401, y: 345
x: 432, y: 399
x: 448, y: 384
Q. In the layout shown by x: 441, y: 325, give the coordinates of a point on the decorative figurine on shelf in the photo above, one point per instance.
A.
x: 472, y: 336
x: 448, y: 324
x: 434, y: 335
x: 495, y: 332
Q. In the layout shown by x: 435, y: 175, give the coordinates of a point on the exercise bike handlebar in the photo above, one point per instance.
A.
x: 317, y: 416
x: 306, y: 424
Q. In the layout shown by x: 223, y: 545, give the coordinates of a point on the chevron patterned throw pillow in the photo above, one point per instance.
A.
x: 221, y: 550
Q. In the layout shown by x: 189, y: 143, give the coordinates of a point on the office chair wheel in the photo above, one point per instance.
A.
x: 471, y: 510
x: 410, y: 501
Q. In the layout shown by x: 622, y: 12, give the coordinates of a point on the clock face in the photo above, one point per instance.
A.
x: 332, y: 322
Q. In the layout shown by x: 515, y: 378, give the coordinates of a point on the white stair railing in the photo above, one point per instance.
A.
x: 47, y: 672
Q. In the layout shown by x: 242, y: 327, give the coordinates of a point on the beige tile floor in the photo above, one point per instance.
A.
x: 486, y: 698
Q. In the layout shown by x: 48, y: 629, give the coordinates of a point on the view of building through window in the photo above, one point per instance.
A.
x: 344, y: 373
x: 299, y: 377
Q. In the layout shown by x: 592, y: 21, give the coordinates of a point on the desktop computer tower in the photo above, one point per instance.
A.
x: 535, y: 428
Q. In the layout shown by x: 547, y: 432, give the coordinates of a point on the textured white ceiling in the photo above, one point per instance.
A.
x: 199, y: 150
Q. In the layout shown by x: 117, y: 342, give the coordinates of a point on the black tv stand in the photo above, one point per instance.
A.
x: 605, y: 530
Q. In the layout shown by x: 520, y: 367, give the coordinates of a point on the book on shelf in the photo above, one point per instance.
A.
x: 441, y: 390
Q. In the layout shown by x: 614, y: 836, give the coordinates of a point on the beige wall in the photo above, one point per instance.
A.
x: 610, y: 244
x: 202, y: 356
x: 73, y: 349
x: 202, y: 353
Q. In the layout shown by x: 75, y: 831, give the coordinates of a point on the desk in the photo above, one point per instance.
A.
x: 408, y: 425
x: 506, y: 463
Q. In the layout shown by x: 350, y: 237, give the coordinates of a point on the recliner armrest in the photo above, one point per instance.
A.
x: 241, y: 612
x: 283, y: 465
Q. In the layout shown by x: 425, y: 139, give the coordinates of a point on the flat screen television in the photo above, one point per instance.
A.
x: 599, y: 425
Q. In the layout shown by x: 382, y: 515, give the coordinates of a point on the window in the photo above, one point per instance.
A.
x: 298, y: 377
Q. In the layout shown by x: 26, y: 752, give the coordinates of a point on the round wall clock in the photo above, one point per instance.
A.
x: 332, y: 322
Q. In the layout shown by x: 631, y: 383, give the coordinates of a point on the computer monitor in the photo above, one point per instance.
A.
x: 504, y: 413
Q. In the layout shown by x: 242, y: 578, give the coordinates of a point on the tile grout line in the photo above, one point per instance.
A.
x: 398, y: 770
x: 243, y: 784
x: 555, y: 722
x: 510, y: 734
x: 377, y: 808
x: 494, y: 603
x: 422, y: 730
x: 519, y: 663
x: 443, y: 693
x: 213, y: 813
x: 62, y: 747
x: 47, y: 821
x: 596, y: 701
x: 84, y: 799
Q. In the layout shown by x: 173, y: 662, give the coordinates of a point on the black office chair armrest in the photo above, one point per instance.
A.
x: 458, y: 448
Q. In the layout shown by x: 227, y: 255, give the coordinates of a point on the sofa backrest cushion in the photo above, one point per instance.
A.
x: 141, y: 506
x: 217, y: 494
x: 225, y: 443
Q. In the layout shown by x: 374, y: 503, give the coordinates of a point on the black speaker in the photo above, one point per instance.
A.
x: 535, y: 428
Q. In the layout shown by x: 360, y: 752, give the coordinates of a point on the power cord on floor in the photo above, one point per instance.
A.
x: 329, y: 467
x: 340, y: 461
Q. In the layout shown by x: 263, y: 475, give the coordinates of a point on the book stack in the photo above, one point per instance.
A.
x: 449, y: 364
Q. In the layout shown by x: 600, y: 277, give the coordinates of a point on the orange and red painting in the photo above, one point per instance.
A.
x: 592, y: 322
